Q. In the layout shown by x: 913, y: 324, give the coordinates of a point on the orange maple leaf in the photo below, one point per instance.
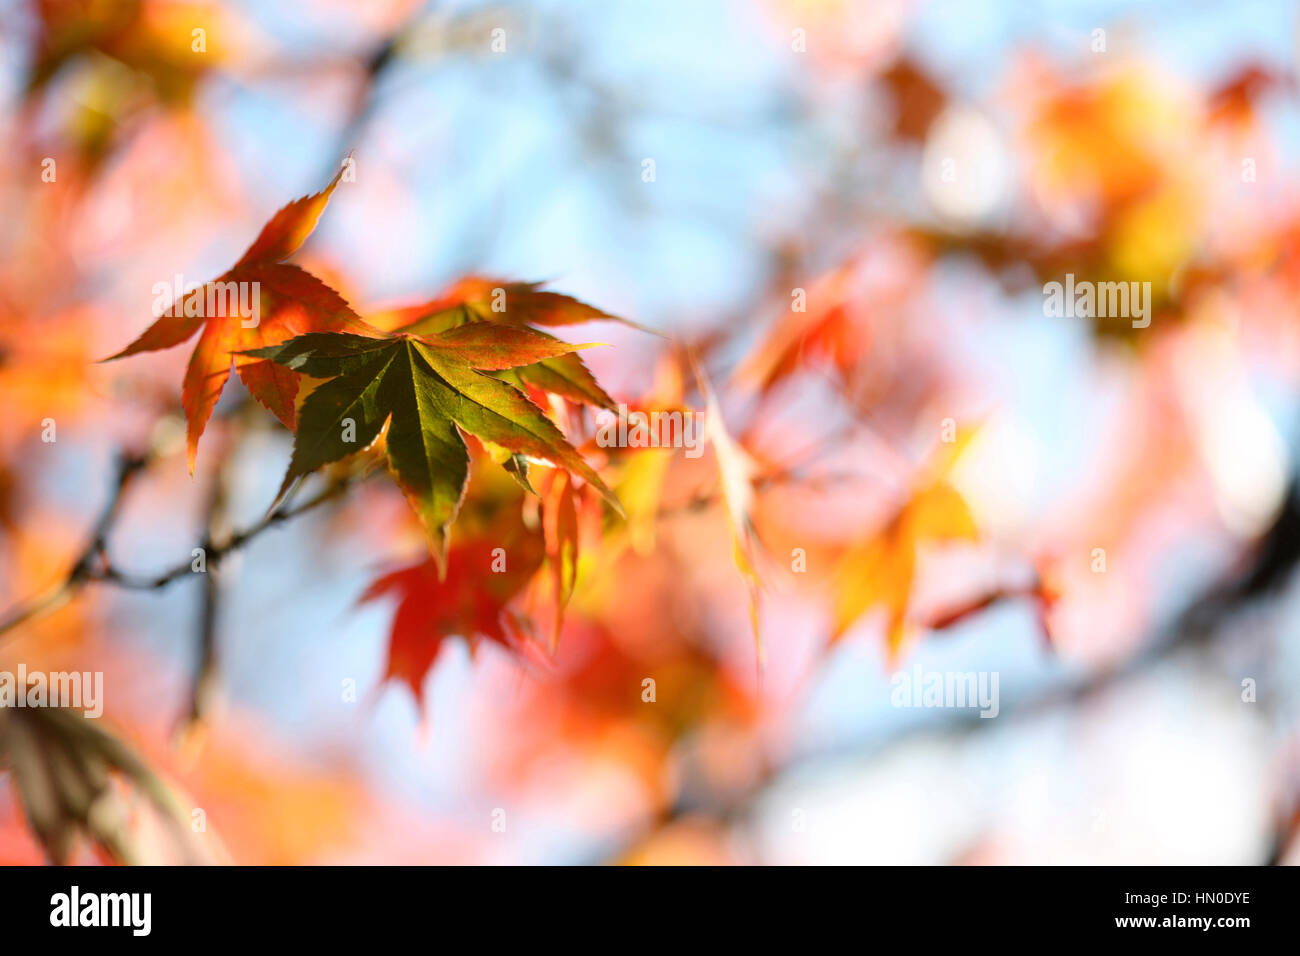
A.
x: 522, y: 305
x: 289, y: 302
x: 880, y: 572
x: 560, y: 532
x: 487, y: 298
x: 831, y: 331
x: 736, y: 474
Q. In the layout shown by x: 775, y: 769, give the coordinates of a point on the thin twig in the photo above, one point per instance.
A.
x: 94, y: 565
x: 216, y: 530
x: 83, y: 569
x: 215, y: 552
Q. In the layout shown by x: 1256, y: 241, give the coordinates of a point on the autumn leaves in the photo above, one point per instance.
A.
x: 428, y: 389
x: 422, y: 386
x: 291, y: 301
x: 419, y: 387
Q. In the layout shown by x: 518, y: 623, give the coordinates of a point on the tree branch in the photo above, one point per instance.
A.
x: 93, y: 563
x: 1169, y: 641
x: 83, y: 568
x: 215, y: 552
x: 216, y: 530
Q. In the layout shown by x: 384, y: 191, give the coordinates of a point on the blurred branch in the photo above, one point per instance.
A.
x: 736, y: 807
x: 216, y: 531
x: 1271, y: 564
x: 377, y: 64
x: 1285, y: 836
x: 94, y: 564
x: 215, y: 552
x: 84, y: 568
x: 704, y: 500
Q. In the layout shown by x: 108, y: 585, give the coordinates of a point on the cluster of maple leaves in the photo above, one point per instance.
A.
x: 415, y: 386
x: 469, y: 363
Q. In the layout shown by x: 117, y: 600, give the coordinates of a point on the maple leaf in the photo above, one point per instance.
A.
x: 832, y: 330
x: 560, y: 531
x: 880, y: 572
x: 518, y: 304
x: 643, y: 471
x: 427, y: 389
x: 468, y: 600
x: 290, y: 301
x: 483, y: 298
x: 736, y: 482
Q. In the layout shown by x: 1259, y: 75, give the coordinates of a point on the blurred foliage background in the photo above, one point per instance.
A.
x: 918, y: 171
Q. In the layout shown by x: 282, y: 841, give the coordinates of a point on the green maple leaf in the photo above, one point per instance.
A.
x: 525, y: 305
x: 428, y: 388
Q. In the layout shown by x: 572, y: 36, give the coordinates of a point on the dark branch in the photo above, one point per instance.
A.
x: 83, y: 569
x: 93, y: 563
